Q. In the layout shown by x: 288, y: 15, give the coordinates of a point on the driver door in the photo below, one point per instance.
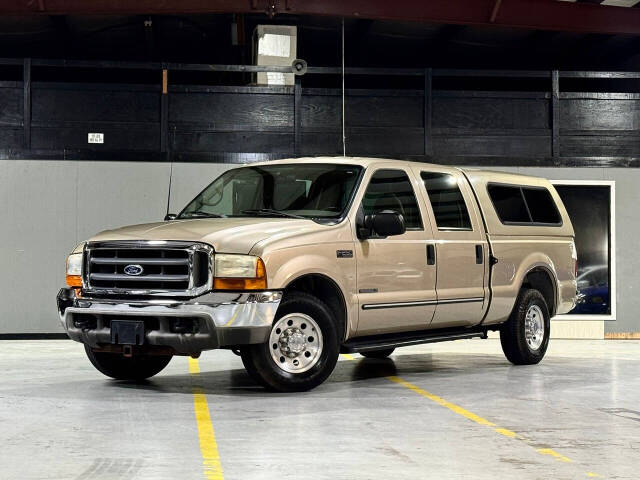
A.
x: 395, y: 283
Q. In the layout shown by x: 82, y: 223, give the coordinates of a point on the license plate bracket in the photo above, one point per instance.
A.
x: 127, y: 332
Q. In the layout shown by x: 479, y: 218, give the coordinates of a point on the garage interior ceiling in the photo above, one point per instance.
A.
x: 548, y: 14
x: 208, y: 39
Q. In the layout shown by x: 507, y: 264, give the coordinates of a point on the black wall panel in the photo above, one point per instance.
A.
x: 600, y: 124
x: 600, y: 114
x: 50, y: 105
x: 616, y: 145
x: 385, y: 142
x: 239, y: 110
x: 240, y: 123
x: 135, y: 137
x: 247, y: 141
x: 11, y: 105
x: 11, y: 115
x: 11, y: 137
x: 469, y: 110
x: 485, y: 144
x: 491, y: 123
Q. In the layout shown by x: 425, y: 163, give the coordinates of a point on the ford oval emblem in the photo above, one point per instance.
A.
x: 133, y: 270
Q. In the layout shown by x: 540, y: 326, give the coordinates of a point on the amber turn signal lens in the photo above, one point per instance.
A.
x: 240, y: 284
x: 74, y: 280
x: 259, y: 282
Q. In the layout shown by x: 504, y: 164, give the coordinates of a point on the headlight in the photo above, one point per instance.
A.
x: 74, y: 270
x: 239, y: 272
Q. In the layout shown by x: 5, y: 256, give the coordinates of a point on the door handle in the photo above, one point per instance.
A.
x: 431, y: 254
x: 479, y: 254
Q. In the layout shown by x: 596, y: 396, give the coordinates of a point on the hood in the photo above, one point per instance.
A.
x: 228, y: 235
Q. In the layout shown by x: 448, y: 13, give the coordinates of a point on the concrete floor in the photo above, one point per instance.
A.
x: 455, y: 410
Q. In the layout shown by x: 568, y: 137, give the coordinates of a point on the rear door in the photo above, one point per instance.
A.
x: 461, y: 247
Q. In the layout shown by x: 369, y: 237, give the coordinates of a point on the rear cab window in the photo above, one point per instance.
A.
x: 524, y: 205
x: 447, y: 202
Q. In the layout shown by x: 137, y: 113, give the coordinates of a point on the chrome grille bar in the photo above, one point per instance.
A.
x: 143, y: 261
x: 147, y: 278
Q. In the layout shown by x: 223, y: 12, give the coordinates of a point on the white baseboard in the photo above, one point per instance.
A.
x: 573, y: 329
x: 586, y: 329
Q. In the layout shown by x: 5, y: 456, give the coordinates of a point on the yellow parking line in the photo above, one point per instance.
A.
x: 454, y: 408
x: 506, y: 433
x: 478, y: 419
x: 554, y: 454
x: 208, y: 446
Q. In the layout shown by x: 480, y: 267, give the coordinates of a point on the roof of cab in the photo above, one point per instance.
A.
x: 487, y: 175
x: 362, y: 161
x: 503, y: 177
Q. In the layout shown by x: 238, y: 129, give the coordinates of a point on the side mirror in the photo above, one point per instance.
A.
x: 388, y: 223
x: 170, y: 216
x: 383, y: 224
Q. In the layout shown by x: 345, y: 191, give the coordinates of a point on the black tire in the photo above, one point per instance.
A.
x: 512, y: 333
x: 261, y: 366
x: 137, y: 367
x: 378, y: 353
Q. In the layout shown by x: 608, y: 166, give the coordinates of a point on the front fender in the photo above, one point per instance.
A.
x: 287, y: 265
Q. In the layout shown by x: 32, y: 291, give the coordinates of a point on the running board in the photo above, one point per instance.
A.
x: 394, y: 340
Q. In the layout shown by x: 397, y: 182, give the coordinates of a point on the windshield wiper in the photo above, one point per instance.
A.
x: 271, y: 211
x: 200, y: 213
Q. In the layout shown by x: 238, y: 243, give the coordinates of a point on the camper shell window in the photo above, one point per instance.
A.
x: 524, y: 205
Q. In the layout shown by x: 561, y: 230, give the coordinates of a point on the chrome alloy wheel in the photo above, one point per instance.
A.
x: 534, y: 327
x: 295, y: 343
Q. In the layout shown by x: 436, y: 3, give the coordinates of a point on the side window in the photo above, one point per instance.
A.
x: 541, y: 205
x: 509, y: 204
x: 447, y: 202
x: 533, y: 205
x: 392, y: 190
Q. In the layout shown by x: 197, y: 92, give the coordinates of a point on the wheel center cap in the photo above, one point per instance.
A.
x: 293, y: 341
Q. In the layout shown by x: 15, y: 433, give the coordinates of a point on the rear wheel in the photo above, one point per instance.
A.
x: 137, y: 367
x: 302, y: 350
x: 378, y: 353
x: 525, y: 336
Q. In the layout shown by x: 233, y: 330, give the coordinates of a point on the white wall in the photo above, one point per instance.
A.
x: 50, y: 206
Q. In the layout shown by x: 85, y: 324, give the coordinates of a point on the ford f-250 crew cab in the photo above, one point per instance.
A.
x: 290, y: 262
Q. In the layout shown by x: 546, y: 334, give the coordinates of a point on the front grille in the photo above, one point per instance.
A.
x: 146, y: 268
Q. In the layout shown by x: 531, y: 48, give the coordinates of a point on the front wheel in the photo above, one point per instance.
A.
x: 137, y: 367
x: 525, y: 336
x: 302, y: 350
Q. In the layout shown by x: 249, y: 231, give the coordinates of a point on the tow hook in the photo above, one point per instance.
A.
x: 127, y: 351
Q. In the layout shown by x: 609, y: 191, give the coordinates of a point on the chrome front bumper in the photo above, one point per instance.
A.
x: 224, y: 319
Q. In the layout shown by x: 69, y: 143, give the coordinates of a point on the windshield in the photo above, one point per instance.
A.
x: 302, y: 190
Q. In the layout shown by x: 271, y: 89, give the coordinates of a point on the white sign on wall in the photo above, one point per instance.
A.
x: 96, y: 138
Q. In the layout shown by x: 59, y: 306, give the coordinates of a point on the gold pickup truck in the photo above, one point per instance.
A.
x: 288, y: 263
